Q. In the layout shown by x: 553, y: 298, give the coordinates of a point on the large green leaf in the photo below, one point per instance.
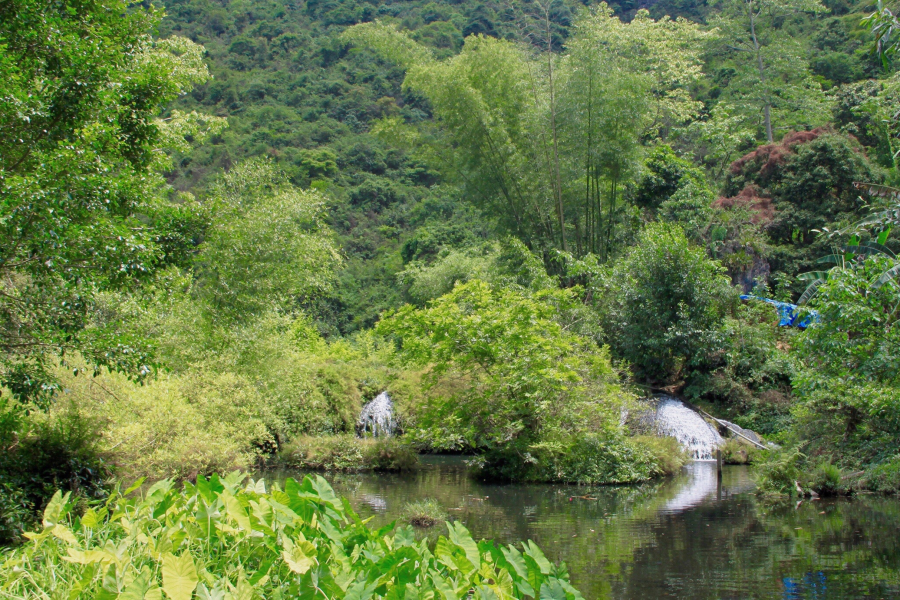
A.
x: 460, y: 536
x: 179, y: 576
x: 888, y: 276
x: 56, y: 509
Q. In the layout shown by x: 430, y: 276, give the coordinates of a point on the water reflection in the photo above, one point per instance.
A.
x: 688, y: 537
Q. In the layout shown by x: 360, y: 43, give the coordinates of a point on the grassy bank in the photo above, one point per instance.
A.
x: 347, y: 453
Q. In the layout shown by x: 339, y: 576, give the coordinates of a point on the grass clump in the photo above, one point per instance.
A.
x: 348, y: 453
x: 826, y: 480
x: 778, y: 474
x: 233, y: 537
x: 424, y: 513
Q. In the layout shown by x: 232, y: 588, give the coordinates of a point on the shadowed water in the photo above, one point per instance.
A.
x: 687, y: 537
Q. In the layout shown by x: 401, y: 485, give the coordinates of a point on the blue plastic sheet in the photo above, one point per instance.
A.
x: 790, y: 314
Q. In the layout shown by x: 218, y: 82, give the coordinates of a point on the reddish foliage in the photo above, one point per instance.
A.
x: 751, y: 198
x: 770, y: 156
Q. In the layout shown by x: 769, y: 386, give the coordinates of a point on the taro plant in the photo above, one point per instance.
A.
x: 232, y: 538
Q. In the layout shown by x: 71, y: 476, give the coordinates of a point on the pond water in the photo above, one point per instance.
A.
x: 690, y: 536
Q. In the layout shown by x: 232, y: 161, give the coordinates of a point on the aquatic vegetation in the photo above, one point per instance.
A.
x: 234, y: 538
x: 424, y: 513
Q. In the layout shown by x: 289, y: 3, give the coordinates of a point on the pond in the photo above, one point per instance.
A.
x: 690, y: 536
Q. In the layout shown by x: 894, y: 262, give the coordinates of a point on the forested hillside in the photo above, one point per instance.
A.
x: 225, y: 226
x: 295, y: 91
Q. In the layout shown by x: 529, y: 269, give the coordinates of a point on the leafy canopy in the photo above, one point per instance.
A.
x: 81, y: 86
x: 665, y: 304
x: 521, y: 374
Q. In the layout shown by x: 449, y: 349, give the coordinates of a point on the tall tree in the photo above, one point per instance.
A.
x: 81, y: 86
x: 772, y: 86
x: 620, y: 83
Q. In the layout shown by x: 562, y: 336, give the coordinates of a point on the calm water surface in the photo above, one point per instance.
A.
x: 686, y: 537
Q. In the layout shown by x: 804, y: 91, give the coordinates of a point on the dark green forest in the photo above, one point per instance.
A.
x: 226, y: 226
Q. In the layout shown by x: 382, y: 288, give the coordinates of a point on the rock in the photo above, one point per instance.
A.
x: 749, y: 434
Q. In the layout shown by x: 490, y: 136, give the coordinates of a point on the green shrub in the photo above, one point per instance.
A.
x: 591, y: 458
x: 663, y: 305
x: 231, y: 538
x: 884, y: 477
x: 389, y: 454
x: 738, y: 452
x: 16, y: 514
x: 506, y: 377
x: 179, y: 425
x: 779, y: 473
x: 825, y: 480
x: 42, y: 454
x: 348, y: 453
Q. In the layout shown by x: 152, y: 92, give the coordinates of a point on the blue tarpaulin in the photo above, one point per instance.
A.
x: 789, y: 313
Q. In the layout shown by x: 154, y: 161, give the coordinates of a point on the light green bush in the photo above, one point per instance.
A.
x: 507, y: 379
x: 196, y: 422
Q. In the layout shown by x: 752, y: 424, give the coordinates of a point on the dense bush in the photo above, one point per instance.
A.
x: 848, y: 387
x: 749, y: 382
x: 40, y: 454
x: 666, y: 174
x: 588, y: 458
x: 737, y: 452
x: 508, y: 379
x: 808, y: 178
x: 663, y: 305
x: 238, y: 539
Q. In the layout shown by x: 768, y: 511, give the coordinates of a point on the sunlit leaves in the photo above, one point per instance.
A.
x: 503, y: 371
x: 315, y: 543
x: 666, y: 303
x: 179, y: 576
x: 82, y: 85
x: 267, y: 247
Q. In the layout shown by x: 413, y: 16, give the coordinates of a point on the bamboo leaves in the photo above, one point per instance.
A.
x: 546, y: 144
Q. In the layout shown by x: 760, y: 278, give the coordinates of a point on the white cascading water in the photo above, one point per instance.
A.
x: 377, y: 417
x: 692, y: 431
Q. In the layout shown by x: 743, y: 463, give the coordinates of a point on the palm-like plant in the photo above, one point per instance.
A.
x: 881, y: 220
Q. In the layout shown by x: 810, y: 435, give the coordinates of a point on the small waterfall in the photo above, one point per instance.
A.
x: 695, y: 435
x: 377, y: 417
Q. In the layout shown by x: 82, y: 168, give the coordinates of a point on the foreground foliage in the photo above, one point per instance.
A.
x: 225, y: 538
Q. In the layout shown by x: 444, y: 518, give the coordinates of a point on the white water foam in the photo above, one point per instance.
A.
x: 377, y: 417
x: 691, y: 430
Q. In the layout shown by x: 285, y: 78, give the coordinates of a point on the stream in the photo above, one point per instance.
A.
x: 684, y: 537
